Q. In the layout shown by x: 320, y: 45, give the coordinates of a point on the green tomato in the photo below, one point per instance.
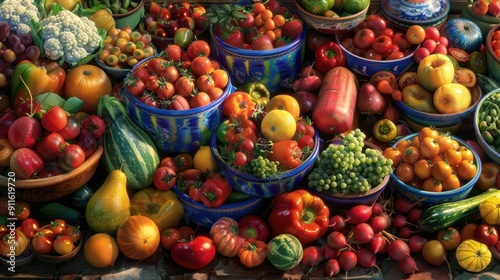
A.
x: 318, y: 7
x: 182, y: 37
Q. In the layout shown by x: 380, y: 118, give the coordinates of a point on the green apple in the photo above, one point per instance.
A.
x: 434, y: 71
x: 418, y: 98
x: 452, y: 98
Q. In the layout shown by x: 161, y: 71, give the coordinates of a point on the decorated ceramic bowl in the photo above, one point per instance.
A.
x: 176, y: 131
x: 428, y: 198
x: 276, y: 68
x: 405, y: 13
x: 368, y: 67
x: 485, y: 22
x: 198, y: 213
x: 270, y: 187
x: 131, y: 18
x: 331, y: 25
x: 442, y: 122
x: 490, y: 151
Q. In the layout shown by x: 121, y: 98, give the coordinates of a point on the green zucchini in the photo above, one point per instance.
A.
x: 55, y: 210
x: 443, y: 215
x: 126, y: 146
x: 486, y: 83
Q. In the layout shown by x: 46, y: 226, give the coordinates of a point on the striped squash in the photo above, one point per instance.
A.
x: 126, y: 146
x: 284, y: 251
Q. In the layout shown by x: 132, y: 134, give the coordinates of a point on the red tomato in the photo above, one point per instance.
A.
x: 54, y: 119
x: 240, y: 159
x: 186, y: 232
x: 486, y: 234
x: 165, y: 91
x: 136, y: 86
x: 63, y: 244
x: 184, y: 86
x: 151, y: 83
x: 164, y: 178
x: 95, y: 125
x: 141, y: 73
x: 73, y: 232
x: 187, y: 178
x: 29, y: 227
x: 198, y: 48
x: 87, y: 142
x: 72, y: 128
x: 71, y: 157
x: 195, y: 253
x: 50, y: 146
x: 382, y: 44
x: 173, y: 52
x: 199, y: 99
x: 201, y: 65
x: 42, y: 242
x: 169, y: 237
x: 205, y: 83
x: 58, y: 226
x: 364, y: 38
x: 149, y: 100
x: 19, y: 210
x: 179, y: 102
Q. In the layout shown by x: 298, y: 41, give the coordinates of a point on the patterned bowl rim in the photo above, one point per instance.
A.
x: 421, y: 22
x: 226, y: 206
x: 439, y: 195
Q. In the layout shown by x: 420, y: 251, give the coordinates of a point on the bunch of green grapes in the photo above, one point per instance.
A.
x: 262, y: 167
x: 349, y: 167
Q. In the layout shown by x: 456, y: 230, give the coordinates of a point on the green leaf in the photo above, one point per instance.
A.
x: 49, y: 100
x: 73, y: 105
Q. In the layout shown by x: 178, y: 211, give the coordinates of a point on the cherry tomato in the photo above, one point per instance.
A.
x: 63, y: 244
x: 184, y: 86
x: 29, y: 227
x: 186, y: 178
x: 198, y: 48
x: 71, y: 157
x: 164, y: 178
x: 54, y: 119
x: 42, y: 242
x: 199, y: 99
x: 169, y: 237
x: 58, y: 226
x: 87, y: 142
x: 239, y: 160
x: 73, y: 232
x: 72, y: 128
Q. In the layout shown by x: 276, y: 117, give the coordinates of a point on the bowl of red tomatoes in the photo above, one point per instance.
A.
x: 66, y: 243
x: 177, y: 102
x: 427, y: 182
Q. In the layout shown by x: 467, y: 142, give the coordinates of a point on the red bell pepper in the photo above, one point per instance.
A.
x: 287, y: 153
x: 29, y: 78
x: 328, y: 56
x: 254, y: 227
x: 214, y: 191
x: 301, y: 214
x: 239, y: 127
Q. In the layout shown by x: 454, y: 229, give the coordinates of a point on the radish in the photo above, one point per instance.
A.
x: 337, y: 223
x: 312, y: 255
x: 405, y: 232
x: 414, y: 215
x: 408, y: 265
x: 378, y: 244
x: 358, y: 214
x: 377, y: 209
x: 398, y: 250
x: 380, y: 222
x: 348, y: 260
x: 337, y: 240
x: 310, y: 83
x: 24, y: 132
x: 416, y: 243
x: 332, y: 267
x: 362, y: 233
x: 403, y: 205
x: 329, y: 252
x: 307, y: 101
x: 296, y: 85
x: 366, y: 258
x: 399, y: 221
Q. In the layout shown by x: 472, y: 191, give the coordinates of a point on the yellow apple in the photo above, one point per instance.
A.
x: 434, y: 71
x: 418, y: 98
x: 452, y: 98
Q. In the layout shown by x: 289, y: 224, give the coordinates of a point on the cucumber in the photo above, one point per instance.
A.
x: 443, y: 215
x: 55, y: 210
x: 126, y: 146
x: 486, y: 83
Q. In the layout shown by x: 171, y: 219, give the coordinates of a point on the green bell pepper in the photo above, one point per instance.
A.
x: 259, y: 92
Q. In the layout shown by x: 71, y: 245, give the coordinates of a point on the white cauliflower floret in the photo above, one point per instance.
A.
x: 53, y: 49
x: 76, y: 36
x: 19, y: 14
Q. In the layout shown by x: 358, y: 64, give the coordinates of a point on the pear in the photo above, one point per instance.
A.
x: 110, y: 205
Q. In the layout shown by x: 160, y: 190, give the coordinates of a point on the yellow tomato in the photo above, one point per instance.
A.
x: 278, y: 125
x: 284, y: 102
x: 203, y: 160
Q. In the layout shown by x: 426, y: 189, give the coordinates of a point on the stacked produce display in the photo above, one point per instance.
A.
x: 370, y: 148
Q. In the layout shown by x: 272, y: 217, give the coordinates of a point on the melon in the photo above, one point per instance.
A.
x: 284, y: 251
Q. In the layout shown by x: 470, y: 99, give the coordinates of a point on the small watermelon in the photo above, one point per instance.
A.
x: 284, y: 251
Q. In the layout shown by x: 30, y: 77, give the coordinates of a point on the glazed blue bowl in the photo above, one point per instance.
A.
x: 442, y: 122
x: 270, y: 187
x: 347, y: 201
x: 276, y: 68
x: 426, y: 198
x: 405, y: 13
x: 488, y: 149
x: 368, y: 67
x: 198, y: 213
x: 176, y: 131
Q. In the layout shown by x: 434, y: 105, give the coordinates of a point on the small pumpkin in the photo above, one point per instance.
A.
x: 138, y: 237
x: 224, y: 233
x: 88, y: 83
x: 473, y: 256
x: 490, y: 210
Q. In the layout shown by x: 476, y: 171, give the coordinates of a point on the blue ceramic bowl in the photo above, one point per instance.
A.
x: 426, y: 198
x: 488, y: 150
x: 132, y: 18
x: 254, y: 186
x: 331, y: 25
x: 276, y: 68
x: 405, y: 13
x: 492, y: 60
x: 347, y: 201
x: 368, y: 67
x: 176, y: 131
x: 442, y: 122
x: 201, y: 215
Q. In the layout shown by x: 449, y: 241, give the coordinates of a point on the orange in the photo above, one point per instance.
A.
x: 101, y: 250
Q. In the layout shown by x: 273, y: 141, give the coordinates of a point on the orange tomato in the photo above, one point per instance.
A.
x: 427, y: 131
x: 402, y: 145
x: 411, y: 154
x: 393, y: 154
x: 453, y: 156
x: 467, y: 169
x: 467, y: 231
x: 450, y: 238
x: 284, y: 102
x: 466, y: 153
x: 441, y: 170
x: 432, y: 185
x: 405, y: 172
x: 415, y: 34
x: 428, y: 147
x: 423, y: 168
x: 445, y: 142
x: 451, y: 182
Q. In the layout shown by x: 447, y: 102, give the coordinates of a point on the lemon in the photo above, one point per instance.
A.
x: 204, y: 161
x: 278, y: 125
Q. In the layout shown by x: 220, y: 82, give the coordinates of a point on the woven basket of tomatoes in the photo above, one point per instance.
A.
x: 264, y: 150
